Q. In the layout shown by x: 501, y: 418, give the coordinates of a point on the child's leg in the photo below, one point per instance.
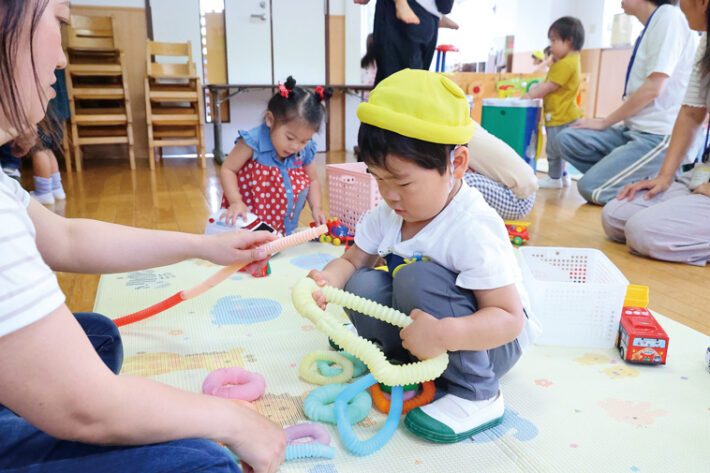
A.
x: 432, y: 288
x: 554, y: 157
x: 501, y: 198
x: 405, y: 12
x: 291, y: 223
x: 376, y: 285
x: 446, y: 22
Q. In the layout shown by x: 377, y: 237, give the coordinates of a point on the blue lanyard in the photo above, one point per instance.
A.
x: 636, y: 48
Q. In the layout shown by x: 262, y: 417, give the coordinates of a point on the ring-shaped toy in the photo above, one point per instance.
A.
x: 234, y: 383
x: 309, y: 450
x: 318, y: 404
x: 308, y: 375
x: 307, y: 430
x: 385, y: 388
x: 406, y: 395
x: 424, y: 398
x: 371, y: 445
x: 326, y: 369
x: 382, y: 370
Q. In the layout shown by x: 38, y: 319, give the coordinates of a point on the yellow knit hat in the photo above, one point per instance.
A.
x: 539, y: 54
x: 420, y: 104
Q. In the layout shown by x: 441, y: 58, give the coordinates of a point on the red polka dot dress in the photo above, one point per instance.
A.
x: 272, y: 189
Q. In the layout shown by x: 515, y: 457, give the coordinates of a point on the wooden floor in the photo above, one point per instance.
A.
x: 179, y: 196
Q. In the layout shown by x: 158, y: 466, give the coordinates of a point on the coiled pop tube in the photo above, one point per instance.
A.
x: 219, y: 276
x: 368, y: 352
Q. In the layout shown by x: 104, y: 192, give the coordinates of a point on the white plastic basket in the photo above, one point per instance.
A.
x: 576, y: 293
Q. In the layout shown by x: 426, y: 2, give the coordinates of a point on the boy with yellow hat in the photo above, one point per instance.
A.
x: 464, y: 291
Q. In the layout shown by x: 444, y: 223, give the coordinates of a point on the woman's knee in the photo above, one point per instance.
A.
x: 104, y: 336
x: 614, y: 219
x: 200, y: 455
x: 642, y: 235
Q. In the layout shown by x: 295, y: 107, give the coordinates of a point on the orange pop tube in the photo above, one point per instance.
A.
x: 219, y: 276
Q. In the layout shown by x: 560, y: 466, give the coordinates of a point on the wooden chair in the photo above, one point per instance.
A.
x: 97, y: 85
x: 174, y: 103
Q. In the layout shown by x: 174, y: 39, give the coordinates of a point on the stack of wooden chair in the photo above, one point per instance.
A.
x: 97, y: 86
x: 174, y: 102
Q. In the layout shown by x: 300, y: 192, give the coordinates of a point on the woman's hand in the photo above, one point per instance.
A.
x: 590, y: 124
x: 234, y: 211
x: 422, y: 337
x: 322, y: 280
x: 655, y: 186
x: 703, y: 189
x: 260, y: 444
x: 237, y: 246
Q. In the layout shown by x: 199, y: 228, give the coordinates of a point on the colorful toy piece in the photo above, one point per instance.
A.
x: 271, y: 248
x: 234, y: 383
x: 337, y: 233
x: 641, y: 338
x: 517, y: 231
x: 380, y: 368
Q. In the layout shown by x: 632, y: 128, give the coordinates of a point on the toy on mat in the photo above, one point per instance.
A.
x: 380, y: 368
x: 318, y: 447
x: 234, y: 383
x: 517, y: 231
x: 641, y: 338
x: 252, y: 223
x: 337, y: 234
x: 270, y: 247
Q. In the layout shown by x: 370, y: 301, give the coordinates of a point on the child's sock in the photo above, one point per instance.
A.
x: 57, y: 188
x: 43, y: 190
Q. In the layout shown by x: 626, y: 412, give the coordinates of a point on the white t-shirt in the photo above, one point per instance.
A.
x: 668, y: 47
x: 468, y: 237
x: 697, y: 94
x: 28, y: 287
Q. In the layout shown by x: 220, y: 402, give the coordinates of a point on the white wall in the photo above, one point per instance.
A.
x: 111, y: 3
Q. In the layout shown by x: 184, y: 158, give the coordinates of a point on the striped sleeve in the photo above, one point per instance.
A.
x: 28, y: 288
x: 696, y: 94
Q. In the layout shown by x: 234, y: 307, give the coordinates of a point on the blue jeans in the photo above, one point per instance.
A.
x: 611, y: 158
x: 26, y: 449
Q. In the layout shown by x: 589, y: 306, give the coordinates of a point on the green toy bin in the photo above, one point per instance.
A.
x: 515, y: 121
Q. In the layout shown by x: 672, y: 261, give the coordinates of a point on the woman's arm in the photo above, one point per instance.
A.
x: 689, y: 122
x: 314, y: 194
x: 90, y: 246
x: 51, y: 376
x: 649, y: 90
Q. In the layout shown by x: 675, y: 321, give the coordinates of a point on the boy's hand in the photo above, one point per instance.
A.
x: 423, y: 336
x: 321, y: 279
x: 233, y: 212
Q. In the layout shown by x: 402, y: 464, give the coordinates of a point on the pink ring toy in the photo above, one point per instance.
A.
x: 306, y: 430
x: 406, y: 396
x: 234, y: 383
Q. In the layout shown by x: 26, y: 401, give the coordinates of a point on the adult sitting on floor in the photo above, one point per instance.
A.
x: 662, y: 218
x: 612, y: 156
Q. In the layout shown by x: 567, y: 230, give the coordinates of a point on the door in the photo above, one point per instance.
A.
x: 299, y: 40
x: 248, y: 41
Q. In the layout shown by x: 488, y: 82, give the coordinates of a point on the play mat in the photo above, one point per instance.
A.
x: 567, y: 409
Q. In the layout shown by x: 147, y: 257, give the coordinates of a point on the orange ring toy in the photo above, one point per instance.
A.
x: 383, y: 404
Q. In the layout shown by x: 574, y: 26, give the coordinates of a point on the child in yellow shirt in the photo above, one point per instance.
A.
x: 559, y: 93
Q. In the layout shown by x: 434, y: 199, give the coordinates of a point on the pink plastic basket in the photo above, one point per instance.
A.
x: 352, y: 192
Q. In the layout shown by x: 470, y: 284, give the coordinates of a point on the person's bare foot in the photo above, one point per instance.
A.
x: 362, y: 2
x: 446, y: 22
x: 405, y: 12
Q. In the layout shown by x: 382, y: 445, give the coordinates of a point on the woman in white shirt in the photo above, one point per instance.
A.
x: 662, y: 217
x: 61, y: 404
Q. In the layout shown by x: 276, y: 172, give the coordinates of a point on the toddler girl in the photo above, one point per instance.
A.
x: 270, y: 172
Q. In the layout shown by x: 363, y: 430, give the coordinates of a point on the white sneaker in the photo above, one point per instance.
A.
x: 451, y: 419
x: 549, y: 183
x: 44, y: 199
x: 566, y: 180
x: 59, y: 194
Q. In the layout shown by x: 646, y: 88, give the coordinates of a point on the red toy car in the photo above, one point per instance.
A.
x: 517, y: 231
x: 337, y: 234
x: 641, y: 339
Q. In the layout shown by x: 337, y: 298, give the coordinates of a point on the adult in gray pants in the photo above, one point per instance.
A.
x: 664, y: 218
x: 613, y: 156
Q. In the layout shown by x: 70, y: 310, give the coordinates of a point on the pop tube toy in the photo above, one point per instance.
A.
x: 383, y: 371
x: 219, y: 276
